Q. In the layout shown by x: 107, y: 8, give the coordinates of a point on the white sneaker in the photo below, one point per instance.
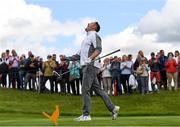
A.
x: 115, y: 112
x: 83, y: 118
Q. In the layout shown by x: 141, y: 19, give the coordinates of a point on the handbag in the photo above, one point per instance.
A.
x: 139, y: 71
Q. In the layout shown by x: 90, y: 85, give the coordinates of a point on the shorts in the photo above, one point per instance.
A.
x: 155, y: 75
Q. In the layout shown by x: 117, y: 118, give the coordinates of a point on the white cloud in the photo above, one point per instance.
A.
x: 131, y: 43
x: 156, y: 30
x: 76, y: 29
x: 165, y: 23
x: 70, y: 28
x: 25, y: 27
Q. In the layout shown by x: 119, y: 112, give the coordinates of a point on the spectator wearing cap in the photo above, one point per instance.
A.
x: 154, y: 71
x: 48, y: 67
x: 171, y: 71
x: 31, y: 67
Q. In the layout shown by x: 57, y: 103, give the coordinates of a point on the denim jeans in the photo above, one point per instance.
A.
x: 144, y: 84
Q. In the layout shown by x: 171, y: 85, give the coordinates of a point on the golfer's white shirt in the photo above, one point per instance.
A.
x: 91, y: 43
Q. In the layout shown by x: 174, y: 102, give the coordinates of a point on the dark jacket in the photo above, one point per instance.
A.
x: 162, y: 61
x: 115, y: 68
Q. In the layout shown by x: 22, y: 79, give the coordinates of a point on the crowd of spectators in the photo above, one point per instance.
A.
x: 117, y: 75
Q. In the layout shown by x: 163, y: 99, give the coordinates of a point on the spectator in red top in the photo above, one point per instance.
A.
x: 171, y: 71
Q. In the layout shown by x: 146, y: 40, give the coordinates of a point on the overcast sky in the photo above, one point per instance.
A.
x: 57, y: 26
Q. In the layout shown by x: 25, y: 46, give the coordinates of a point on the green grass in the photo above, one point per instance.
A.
x: 96, y: 121
x: 25, y: 108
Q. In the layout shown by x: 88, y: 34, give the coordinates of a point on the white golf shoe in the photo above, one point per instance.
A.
x: 83, y: 118
x: 115, y: 112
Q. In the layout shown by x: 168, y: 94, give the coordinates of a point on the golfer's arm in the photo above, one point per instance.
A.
x: 98, y: 48
x: 95, y: 54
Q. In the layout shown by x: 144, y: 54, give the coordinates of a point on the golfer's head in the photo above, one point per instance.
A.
x: 93, y: 26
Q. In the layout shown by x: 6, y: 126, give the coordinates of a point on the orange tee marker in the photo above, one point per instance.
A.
x: 54, y: 117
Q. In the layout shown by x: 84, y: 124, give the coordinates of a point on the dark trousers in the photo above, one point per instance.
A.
x: 62, y: 83
x: 75, y: 86
x: 3, y: 80
x: 65, y: 82
x: 118, y: 82
x: 22, y: 75
x: 14, y: 77
x: 125, y: 83
x: 68, y: 85
x: 50, y: 78
x: 163, y: 79
x: 55, y: 83
x: 139, y: 84
x: 178, y: 80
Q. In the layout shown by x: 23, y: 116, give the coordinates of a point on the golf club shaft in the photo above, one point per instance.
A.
x: 107, y: 55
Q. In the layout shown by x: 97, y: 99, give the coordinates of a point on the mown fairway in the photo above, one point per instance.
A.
x: 38, y: 120
x: 25, y: 108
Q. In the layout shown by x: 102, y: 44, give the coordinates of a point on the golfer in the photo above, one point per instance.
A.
x: 90, y: 50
